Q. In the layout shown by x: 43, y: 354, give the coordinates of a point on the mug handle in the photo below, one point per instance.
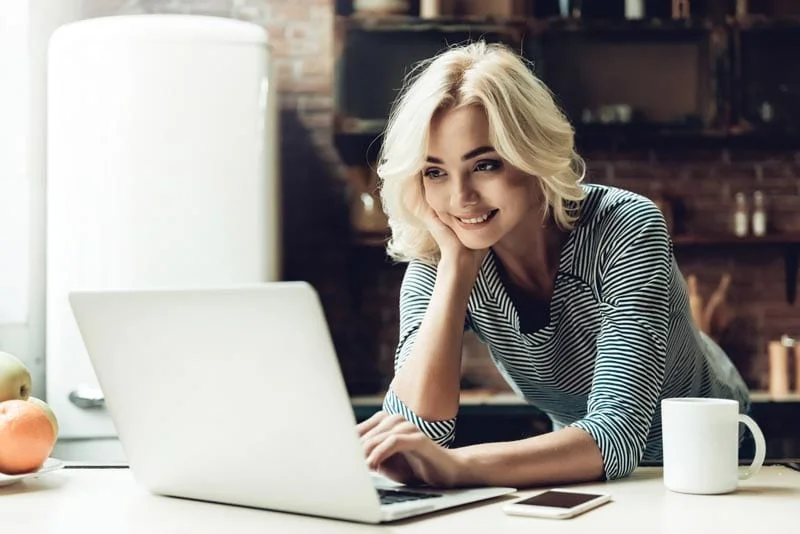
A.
x: 761, y: 447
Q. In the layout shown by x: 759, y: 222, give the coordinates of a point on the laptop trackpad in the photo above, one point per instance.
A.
x: 380, y: 481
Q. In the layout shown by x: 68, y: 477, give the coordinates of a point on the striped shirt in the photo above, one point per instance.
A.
x: 619, y: 335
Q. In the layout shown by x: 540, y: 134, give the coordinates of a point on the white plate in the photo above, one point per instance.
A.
x: 51, y: 464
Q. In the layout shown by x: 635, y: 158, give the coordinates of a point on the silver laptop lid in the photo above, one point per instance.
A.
x: 229, y: 394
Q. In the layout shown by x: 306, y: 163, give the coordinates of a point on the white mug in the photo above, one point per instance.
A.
x: 701, y: 445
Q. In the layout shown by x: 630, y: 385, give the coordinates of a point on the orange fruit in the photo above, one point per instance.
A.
x: 26, y: 437
x: 47, y: 410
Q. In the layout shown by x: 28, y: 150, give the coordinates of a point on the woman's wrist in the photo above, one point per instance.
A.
x: 467, y: 468
x: 462, y: 265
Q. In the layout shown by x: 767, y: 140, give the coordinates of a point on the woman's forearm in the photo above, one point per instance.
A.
x: 560, y: 457
x: 428, y: 383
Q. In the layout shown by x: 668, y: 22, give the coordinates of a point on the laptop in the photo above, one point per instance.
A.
x: 235, y: 395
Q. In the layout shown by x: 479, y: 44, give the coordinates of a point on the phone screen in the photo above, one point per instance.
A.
x: 558, y: 499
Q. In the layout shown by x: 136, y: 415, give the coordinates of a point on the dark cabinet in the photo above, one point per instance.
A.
x: 691, y: 80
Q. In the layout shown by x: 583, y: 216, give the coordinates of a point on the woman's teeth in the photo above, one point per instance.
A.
x: 476, y: 220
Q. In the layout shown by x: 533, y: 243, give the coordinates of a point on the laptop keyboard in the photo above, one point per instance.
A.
x: 395, y: 496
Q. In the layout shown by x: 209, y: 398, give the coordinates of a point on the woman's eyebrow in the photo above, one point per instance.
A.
x: 469, y: 155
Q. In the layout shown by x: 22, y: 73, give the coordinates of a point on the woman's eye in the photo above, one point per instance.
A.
x: 433, y: 172
x: 487, y: 165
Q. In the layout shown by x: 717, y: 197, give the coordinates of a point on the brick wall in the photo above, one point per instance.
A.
x: 359, y: 289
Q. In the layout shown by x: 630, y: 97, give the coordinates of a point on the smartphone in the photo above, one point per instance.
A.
x: 557, y: 504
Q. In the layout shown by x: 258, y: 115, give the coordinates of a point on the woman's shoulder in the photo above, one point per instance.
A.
x: 606, y: 207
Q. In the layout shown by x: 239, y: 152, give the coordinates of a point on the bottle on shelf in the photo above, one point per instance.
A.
x: 741, y: 8
x: 430, y: 9
x: 759, y: 219
x: 634, y: 9
x: 681, y: 9
x: 740, y: 216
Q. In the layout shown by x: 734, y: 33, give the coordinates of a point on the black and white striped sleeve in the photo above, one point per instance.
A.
x: 631, y: 346
x: 415, y: 294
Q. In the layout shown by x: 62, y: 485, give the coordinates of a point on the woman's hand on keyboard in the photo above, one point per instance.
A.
x: 397, y: 449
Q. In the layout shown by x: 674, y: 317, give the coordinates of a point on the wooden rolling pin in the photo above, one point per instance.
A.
x: 695, y: 301
x: 778, y: 369
x: 715, y: 315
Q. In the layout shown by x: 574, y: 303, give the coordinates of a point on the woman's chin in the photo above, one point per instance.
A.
x: 475, y: 242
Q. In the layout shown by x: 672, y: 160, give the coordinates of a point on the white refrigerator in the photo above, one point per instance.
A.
x: 162, y: 171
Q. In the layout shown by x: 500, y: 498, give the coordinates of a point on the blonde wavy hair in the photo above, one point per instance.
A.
x: 526, y: 127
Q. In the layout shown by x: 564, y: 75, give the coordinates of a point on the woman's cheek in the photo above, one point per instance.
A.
x: 431, y: 201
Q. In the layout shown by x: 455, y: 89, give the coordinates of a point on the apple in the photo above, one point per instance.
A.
x: 15, y: 378
x: 47, y: 410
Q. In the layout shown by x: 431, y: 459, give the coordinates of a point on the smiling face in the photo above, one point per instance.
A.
x: 472, y: 190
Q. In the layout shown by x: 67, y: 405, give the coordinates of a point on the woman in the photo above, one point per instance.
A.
x: 573, y: 287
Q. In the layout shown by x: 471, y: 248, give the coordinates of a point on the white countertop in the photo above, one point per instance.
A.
x: 95, y: 500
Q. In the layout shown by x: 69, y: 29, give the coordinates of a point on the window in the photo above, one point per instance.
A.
x: 15, y: 183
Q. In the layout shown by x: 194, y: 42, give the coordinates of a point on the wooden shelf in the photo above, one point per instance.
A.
x: 645, y: 29
x: 557, y: 24
x: 789, y: 243
x: 760, y: 22
x: 727, y: 240
x: 766, y: 396
x: 411, y: 24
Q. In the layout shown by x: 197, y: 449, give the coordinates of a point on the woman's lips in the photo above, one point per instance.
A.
x: 476, y: 221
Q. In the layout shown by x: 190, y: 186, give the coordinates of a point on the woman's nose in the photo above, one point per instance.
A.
x: 464, y: 193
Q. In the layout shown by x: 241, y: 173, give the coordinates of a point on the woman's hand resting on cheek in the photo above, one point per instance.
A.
x: 451, y: 248
x: 397, y: 449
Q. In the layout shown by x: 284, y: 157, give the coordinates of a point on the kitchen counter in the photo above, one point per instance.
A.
x: 486, y: 415
x: 103, y: 500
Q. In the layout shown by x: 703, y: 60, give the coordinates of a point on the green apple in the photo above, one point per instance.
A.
x: 15, y: 378
x: 47, y: 410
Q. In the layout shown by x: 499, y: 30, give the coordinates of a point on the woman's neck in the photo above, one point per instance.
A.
x: 530, y: 256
